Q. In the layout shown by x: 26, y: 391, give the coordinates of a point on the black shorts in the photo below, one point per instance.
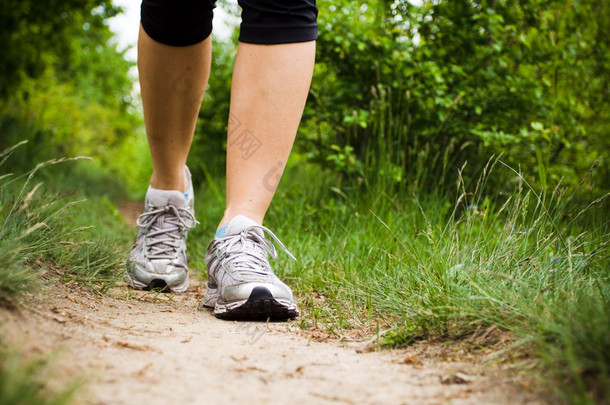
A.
x: 187, y: 22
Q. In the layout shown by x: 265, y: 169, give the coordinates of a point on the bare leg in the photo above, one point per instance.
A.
x: 268, y: 94
x: 173, y: 81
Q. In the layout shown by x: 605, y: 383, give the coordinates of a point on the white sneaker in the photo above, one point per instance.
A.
x: 158, y: 258
x: 241, y: 283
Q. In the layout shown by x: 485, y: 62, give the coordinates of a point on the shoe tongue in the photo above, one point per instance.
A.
x: 162, y: 198
x: 237, y: 225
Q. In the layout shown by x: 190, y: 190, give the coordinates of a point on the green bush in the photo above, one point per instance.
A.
x: 77, y: 98
x: 456, y: 81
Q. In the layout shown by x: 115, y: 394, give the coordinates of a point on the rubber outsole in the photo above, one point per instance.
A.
x: 156, y: 284
x: 260, y: 306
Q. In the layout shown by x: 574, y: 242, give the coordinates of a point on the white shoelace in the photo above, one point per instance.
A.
x: 165, y: 225
x: 247, y: 252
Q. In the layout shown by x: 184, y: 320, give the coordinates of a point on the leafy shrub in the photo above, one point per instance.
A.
x: 426, y: 88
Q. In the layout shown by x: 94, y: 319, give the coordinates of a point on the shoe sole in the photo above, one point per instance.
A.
x: 157, y: 284
x: 260, y: 306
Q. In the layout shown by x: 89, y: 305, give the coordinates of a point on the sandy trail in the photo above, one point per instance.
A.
x: 136, y: 347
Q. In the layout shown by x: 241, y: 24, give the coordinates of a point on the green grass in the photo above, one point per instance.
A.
x: 46, y: 231
x: 24, y: 382
x: 413, y: 263
x: 533, y: 264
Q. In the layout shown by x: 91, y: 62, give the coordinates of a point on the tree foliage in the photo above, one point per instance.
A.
x: 34, y: 35
x: 64, y: 86
x: 401, y: 89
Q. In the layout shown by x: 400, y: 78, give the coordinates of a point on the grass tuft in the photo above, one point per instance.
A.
x: 38, y: 233
x: 532, y: 264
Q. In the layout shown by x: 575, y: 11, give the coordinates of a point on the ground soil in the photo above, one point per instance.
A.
x: 132, y: 347
x: 137, y: 347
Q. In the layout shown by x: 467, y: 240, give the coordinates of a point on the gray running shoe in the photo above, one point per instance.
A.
x: 241, y: 284
x: 158, y: 257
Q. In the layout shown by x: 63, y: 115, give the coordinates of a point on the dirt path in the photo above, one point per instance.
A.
x: 142, y: 348
x: 135, y: 347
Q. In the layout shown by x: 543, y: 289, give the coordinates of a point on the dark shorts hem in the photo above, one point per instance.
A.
x: 188, y: 22
x: 162, y: 36
x: 277, y: 35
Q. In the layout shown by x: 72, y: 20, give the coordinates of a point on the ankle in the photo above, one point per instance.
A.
x: 169, y: 181
x: 230, y: 214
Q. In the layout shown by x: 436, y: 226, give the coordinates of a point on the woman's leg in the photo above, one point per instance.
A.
x: 172, y: 80
x: 269, y: 89
x: 268, y: 93
x: 173, y: 76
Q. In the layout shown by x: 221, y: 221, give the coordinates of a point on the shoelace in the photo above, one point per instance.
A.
x: 164, y: 225
x: 247, y: 252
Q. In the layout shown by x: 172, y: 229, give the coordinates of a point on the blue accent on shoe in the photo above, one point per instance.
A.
x: 220, y: 233
x: 186, y: 195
